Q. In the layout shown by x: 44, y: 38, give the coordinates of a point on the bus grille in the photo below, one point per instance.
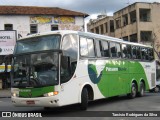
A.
x: 153, y: 84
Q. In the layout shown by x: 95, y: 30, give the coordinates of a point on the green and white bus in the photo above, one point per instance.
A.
x: 60, y: 68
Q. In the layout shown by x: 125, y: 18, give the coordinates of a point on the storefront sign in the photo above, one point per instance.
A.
x: 7, y: 42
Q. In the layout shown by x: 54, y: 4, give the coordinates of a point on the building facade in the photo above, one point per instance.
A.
x: 102, y: 25
x: 28, y: 20
x: 138, y: 22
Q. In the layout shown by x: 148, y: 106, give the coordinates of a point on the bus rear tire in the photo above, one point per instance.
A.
x: 84, y: 99
x: 133, y: 91
x: 142, y: 89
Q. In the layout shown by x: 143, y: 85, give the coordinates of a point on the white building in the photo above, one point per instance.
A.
x: 27, y: 20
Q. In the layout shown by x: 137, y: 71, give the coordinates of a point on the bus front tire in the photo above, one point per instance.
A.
x: 142, y: 89
x: 84, y: 99
x: 133, y: 91
x: 156, y: 89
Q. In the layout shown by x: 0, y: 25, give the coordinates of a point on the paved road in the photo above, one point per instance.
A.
x: 150, y: 102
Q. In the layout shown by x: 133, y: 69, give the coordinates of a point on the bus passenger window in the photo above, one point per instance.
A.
x: 134, y: 52
x: 91, y: 52
x: 105, y: 51
x: 87, y: 47
x: 129, y: 51
x: 124, y: 51
x: 83, y: 46
x: 115, y: 49
x: 138, y: 52
x: 144, y: 53
x: 98, y: 48
x: 151, y: 54
x: 69, y: 57
x: 118, y: 50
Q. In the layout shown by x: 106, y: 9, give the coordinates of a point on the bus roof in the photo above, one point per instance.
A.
x: 87, y: 34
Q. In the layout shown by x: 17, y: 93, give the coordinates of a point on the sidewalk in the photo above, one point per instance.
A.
x: 5, y: 93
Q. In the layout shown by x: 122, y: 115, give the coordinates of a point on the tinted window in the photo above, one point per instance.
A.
x: 102, y: 49
x: 91, y: 48
x: 83, y: 46
x: 105, y: 51
x: 115, y: 49
x: 124, y: 51
x: 118, y: 50
x: 87, y: 47
x: 49, y: 42
x: 144, y: 53
x: 136, y: 53
x: 151, y: 54
x: 129, y: 51
x: 98, y: 48
x: 70, y: 46
x: 69, y: 57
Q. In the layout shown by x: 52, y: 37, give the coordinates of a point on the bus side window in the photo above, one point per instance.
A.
x: 150, y: 54
x: 105, y: 51
x: 87, y: 47
x: 98, y: 48
x: 115, y: 49
x: 69, y: 57
x: 119, y: 54
x: 124, y: 51
x: 134, y: 52
x: 129, y: 51
x: 91, y: 49
x: 83, y: 47
x: 138, y: 52
x: 144, y: 53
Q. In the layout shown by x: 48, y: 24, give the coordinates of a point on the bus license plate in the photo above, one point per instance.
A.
x: 30, y: 102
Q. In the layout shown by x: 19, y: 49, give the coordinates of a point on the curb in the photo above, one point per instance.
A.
x: 6, y: 97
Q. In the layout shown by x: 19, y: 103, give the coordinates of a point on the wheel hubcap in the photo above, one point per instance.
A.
x: 133, y: 91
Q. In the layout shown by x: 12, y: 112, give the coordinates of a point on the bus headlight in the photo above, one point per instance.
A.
x: 15, y: 95
x: 51, y: 94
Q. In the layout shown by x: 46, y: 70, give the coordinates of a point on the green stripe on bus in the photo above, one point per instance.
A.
x: 35, y: 92
x: 116, y: 77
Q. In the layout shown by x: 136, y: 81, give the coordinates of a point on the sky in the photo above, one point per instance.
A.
x: 91, y: 7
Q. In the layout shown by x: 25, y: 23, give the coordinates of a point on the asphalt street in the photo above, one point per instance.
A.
x: 150, y: 102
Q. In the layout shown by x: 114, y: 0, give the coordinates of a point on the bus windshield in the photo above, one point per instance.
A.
x: 47, y: 42
x: 35, y: 70
x: 35, y: 61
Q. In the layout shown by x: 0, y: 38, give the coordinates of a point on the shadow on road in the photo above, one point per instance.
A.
x: 74, y: 110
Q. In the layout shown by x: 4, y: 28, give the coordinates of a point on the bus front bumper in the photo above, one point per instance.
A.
x: 39, y: 101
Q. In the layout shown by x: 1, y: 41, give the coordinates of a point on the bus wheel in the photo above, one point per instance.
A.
x: 133, y: 91
x: 156, y: 89
x: 142, y: 89
x: 84, y: 99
